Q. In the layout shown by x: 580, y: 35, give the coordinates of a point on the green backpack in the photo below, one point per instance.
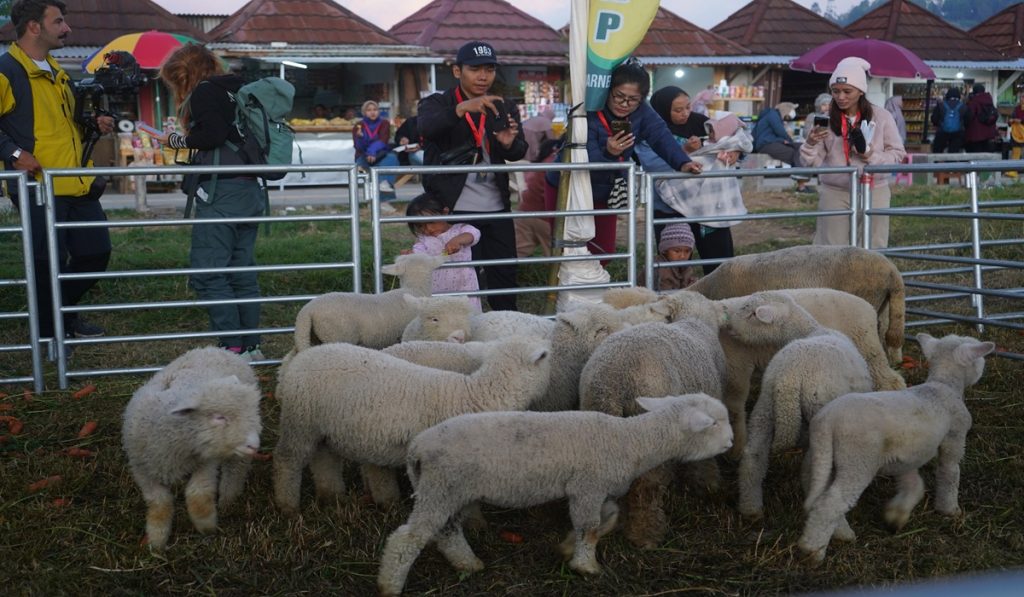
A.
x: 261, y: 109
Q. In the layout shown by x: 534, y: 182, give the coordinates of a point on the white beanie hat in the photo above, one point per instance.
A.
x: 852, y: 71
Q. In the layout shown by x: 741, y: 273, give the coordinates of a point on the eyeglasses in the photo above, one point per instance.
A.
x: 626, y: 100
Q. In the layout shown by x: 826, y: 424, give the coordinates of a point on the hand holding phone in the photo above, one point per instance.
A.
x: 821, y: 121
x: 621, y: 126
x: 501, y: 119
x: 142, y: 126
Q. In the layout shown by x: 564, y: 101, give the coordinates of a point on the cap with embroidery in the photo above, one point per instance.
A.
x: 475, y: 53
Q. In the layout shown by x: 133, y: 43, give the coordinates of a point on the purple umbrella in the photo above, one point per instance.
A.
x: 887, y: 59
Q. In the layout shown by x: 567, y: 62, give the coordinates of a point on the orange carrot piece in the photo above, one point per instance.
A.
x: 89, y: 389
x: 87, y: 429
x: 511, y: 537
x: 79, y: 453
x: 44, y: 483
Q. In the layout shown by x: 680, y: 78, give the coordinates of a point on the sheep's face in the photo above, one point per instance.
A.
x: 703, y: 420
x: 587, y: 326
x: 754, y: 319
x: 443, y: 318
x: 225, y: 418
x: 962, y: 355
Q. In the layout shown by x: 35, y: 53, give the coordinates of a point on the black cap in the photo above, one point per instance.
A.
x: 476, y: 52
x: 978, y: 88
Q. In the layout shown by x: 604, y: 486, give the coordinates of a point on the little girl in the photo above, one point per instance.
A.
x: 445, y: 238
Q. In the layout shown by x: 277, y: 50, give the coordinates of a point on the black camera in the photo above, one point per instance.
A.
x: 118, y: 79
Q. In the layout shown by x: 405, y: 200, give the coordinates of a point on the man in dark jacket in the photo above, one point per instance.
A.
x: 458, y: 127
x: 981, y: 121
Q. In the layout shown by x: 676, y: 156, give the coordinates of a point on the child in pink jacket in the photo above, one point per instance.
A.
x: 859, y: 133
x: 445, y: 238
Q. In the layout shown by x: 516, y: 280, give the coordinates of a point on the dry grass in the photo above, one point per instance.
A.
x: 82, y: 534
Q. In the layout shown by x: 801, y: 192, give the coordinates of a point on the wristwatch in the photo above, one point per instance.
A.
x: 16, y: 155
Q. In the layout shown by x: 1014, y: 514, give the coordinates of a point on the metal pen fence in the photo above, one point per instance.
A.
x: 28, y: 282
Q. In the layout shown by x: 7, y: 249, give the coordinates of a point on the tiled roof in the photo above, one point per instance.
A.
x: 921, y: 32
x: 444, y: 25
x: 778, y: 27
x: 671, y: 35
x: 95, y: 22
x: 299, y: 22
x: 1003, y: 31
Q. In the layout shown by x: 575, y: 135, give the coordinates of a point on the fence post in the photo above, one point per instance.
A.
x: 631, y: 196
x: 372, y: 197
x: 649, y: 231
x: 353, y: 207
x: 976, y: 299
x: 854, y: 208
x: 57, y: 300
x: 865, y: 184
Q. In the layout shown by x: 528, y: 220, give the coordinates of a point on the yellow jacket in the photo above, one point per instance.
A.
x: 45, y: 127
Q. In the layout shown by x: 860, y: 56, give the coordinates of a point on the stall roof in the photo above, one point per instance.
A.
x: 299, y: 22
x: 444, y: 25
x: 778, y: 28
x: 94, y: 23
x: 921, y: 32
x: 672, y: 35
x: 1003, y: 31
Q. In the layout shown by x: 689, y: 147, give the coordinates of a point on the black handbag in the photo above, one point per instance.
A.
x: 463, y: 155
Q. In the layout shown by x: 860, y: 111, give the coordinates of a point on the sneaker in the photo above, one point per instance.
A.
x: 387, y: 209
x: 253, y: 353
x: 80, y: 328
x: 385, y: 187
x: 804, y: 190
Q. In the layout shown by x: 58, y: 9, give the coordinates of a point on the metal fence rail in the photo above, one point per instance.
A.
x: 20, y: 179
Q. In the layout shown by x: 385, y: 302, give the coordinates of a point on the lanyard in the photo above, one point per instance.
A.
x: 846, y: 134
x: 607, y: 127
x: 478, y: 131
x: 372, y: 133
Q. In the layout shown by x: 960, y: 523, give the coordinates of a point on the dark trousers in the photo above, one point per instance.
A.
x: 80, y: 250
x: 953, y: 142
x: 711, y: 243
x: 497, y: 241
x: 985, y: 146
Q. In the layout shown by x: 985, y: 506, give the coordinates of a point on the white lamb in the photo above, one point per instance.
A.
x: 858, y: 436
x: 653, y: 359
x: 813, y: 366
x: 340, y: 401
x: 197, y: 418
x: 516, y: 460
x: 371, y: 320
x: 462, y: 358
x: 867, y: 274
x: 442, y: 318
x: 496, y: 325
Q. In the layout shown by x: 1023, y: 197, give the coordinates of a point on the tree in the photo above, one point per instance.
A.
x: 816, y: 8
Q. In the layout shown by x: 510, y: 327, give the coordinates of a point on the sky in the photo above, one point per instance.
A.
x: 553, y: 12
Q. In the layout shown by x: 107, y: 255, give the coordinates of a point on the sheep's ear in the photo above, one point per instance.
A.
x: 699, y: 421
x: 967, y: 353
x: 766, y: 313
x: 663, y: 309
x: 440, y: 259
x: 538, y: 355
x: 927, y: 342
x: 390, y: 269
x: 652, y: 404
x: 185, y: 406
x: 413, y: 301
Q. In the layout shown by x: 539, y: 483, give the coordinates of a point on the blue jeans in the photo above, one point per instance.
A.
x: 389, y: 160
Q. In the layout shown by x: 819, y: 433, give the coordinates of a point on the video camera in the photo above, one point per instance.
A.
x: 119, y: 77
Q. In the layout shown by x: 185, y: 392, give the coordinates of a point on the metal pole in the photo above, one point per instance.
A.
x: 353, y: 206
x: 866, y: 181
x: 649, y: 232
x: 30, y: 283
x: 976, y: 299
x: 372, y: 194
x: 45, y: 195
x: 631, y: 229
x: 854, y: 207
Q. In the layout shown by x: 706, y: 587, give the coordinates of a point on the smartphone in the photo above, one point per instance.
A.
x: 820, y: 120
x: 501, y: 120
x: 142, y: 126
x: 619, y: 126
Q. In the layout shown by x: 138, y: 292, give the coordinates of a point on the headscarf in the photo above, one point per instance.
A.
x: 704, y: 97
x: 724, y: 127
x: 895, y: 107
x: 661, y: 101
x: 823, y: 98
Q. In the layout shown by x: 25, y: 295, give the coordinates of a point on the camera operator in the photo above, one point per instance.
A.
x: 37, y: 131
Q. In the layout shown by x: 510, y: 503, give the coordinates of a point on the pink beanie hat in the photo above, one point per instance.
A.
x: 852, y: 71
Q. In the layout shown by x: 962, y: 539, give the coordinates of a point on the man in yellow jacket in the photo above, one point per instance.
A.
x: 37, y: 130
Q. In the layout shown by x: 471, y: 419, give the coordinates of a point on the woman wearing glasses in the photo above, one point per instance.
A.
x: 612, y: 133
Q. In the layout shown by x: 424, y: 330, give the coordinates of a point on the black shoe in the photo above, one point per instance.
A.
x: 80, y: 328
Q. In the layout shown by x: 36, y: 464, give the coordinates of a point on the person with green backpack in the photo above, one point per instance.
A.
x: 207, y: 108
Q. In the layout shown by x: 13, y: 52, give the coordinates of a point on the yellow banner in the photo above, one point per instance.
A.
x: 615, y: 29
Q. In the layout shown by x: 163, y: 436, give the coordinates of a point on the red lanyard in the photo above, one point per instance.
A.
x: 607, y: 127
x: 478, y: 131
x: 846, y: 134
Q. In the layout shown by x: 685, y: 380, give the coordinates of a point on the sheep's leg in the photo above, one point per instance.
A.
x: 405, y: 544
x: 383, y: 485
x: 290, y: 457
x: 232, y: 480
x: 703, y: 475
x: 451, y: 542
x: 473, y: 517
x: 327, y: 467
x: 843, y: 532
x: 159, y: 514
x: 911, y: 490
x: 827, y: 512
x: 609, y: 518
x: 737, y: 388
x: 947, y: 477
x: 646, y: 523
x: 199, y: 498
x: 754, y: 464
x: 585, y: 513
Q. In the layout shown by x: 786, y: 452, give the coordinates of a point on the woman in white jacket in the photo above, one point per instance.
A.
x: 859, y: 133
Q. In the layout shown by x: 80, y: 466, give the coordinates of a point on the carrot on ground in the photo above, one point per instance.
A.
x: 511, y: 537
x: 44, y: 483
x: 87, y: 429
x: 89, y: 389
x: 79, y: 453
x: 14, y: 425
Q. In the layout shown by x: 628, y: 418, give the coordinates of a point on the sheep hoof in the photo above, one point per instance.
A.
x: 955, y: 512
x: 585, y: 567
x: 813, y: 557
x: 568, y: 545
x: 752, y: 515
x: 843, y: 532
x: 896, y: 518
x: 469, y: 566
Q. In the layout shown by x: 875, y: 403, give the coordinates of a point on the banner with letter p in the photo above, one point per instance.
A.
x: 615, y: 29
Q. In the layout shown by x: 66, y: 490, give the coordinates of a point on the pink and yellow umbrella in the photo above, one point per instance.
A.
x: 149, y: 48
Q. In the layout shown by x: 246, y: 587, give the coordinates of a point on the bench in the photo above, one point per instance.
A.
x: 946, y: 177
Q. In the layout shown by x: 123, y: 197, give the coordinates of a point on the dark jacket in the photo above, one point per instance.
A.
x: 770, y: 129
x: 646, y: 126
x: 442, y: 130
x: 212, y: 122
x: 939, y: 114
x: 976, y: 130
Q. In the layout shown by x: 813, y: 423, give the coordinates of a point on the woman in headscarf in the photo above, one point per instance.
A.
x: 895, y: 107
x: 673, y: 105
x: 822, y: 104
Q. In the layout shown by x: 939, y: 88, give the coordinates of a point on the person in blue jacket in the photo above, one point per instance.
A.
x: 771, y: 137
x: 630, y: 86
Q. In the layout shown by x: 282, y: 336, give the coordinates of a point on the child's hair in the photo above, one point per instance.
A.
x: 423, y: 205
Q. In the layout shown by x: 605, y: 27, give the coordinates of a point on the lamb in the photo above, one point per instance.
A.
x: 858, y: 436
x: 620, y: 298
x: 860, y: 272
x: 450, y: 356
x: 345, y: 401
x: 442, y: 318
x: 813, y: 366
x: 198, y: 418
x: 653, y: 359
x: 589, y: 458
x: 370, y: 320
x: 495, y: 325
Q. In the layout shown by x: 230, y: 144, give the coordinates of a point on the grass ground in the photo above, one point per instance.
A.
x: 82, y: 533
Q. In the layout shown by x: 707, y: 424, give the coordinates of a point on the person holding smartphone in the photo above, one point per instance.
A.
x: 612, y: 134
x: 858, y: 133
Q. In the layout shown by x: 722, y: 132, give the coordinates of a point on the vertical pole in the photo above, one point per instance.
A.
x: 865, y: 194
x: 854, y: 207
x: 976, y: 299
x: 378, y: 245
x: 30, y: 282
x: 649, y: 232
x: 45, y: 196
x: 353, y: 206
x: 631, y: 196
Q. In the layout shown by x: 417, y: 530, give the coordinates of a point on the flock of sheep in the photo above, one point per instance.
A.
x: 596, y: 406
